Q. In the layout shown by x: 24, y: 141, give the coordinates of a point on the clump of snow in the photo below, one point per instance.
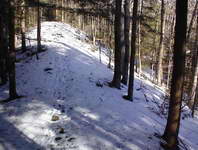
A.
x: 63, y: 83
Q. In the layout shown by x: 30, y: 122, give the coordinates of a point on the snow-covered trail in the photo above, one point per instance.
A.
x: 63, y: 83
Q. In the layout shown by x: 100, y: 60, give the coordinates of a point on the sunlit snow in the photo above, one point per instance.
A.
x: 90, y: 117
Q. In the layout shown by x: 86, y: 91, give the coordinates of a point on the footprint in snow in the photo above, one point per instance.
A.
x: 48, y: 69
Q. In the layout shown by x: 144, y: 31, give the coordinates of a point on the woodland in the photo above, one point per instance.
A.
x: 156, y: 41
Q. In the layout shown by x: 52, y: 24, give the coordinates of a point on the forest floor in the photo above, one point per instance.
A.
x: 68, y: 105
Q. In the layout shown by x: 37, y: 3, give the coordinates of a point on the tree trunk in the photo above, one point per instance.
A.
x: 26, y: 15
x: 110, y: 45
x: 195, y: 103
x: 93, y: 30
x: 170, y: 52
x: 38, y: 29
x: 23, y: 29
x: 191, y: 22
x: 62, y: 10
x: 11, y: 59
x: 139, y: 38
x: 118, y: 46
x: 122, y: 39
x: 154, y: 59
x: 51, y: 13
x: 133, y: 51
x: 161, y: 46
x: 3, y: 44
x: 195, y: 70
x: 126, y: 40
x: 173, y: 122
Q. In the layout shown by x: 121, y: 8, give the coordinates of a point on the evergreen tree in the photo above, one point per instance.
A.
x: 118, y: 45
x: 126, y: 41
x: 173, y: 122
x: 133, y: 51
x: 11, y: 58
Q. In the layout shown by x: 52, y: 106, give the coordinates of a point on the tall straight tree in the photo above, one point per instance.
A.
x: 126, y: 41
x: 1, y: 49
x: 116, y: 82
x: 191, y: 21
x: 12, y: 55
x: 161, y: 45
x: 3, y: 43
x: 173, y: 122
x: 23, y: 27
x: 170, y: 51
x: 133, y: 51
x: 38, y: 29
x: 195, y: 70
x: 141, y: 2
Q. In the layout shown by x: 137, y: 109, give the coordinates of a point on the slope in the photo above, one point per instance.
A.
x: 64, y: 109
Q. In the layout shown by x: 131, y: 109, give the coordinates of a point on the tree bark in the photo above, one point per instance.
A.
x: 173, y: 122
x: 23, y: 28
x: 191, y: 21
x: 139, y: 38
x: 126, y: 40
x: 62, y: 11
x: 161, y: 45
x: 3, y: 43
x: 170, y: 52
x: 116, y: 82
x: 122, y: 39
x: 195, y: 70
x: 154, y: 52
x: 195, y: 103
x: 38, y: 29
x: 11, y: 59
x: 133, y: 51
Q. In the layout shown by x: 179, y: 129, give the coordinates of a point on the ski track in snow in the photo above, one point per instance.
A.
x: 63, y: 83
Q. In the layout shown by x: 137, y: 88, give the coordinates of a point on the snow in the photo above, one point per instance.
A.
x: 63, y: 83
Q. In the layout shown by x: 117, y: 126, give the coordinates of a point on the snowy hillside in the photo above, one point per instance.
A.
x: 64, y: 109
